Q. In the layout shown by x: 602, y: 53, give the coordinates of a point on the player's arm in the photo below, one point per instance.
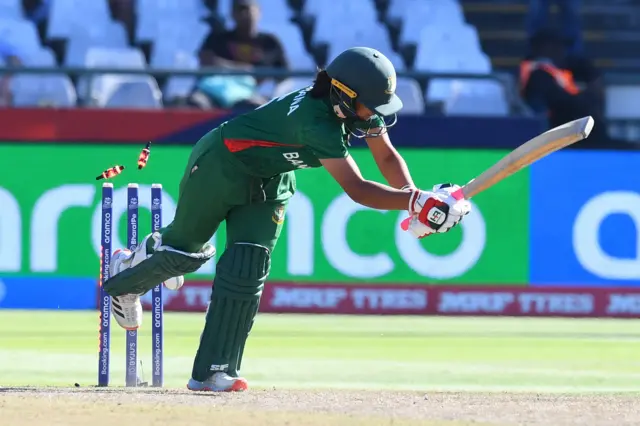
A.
x: 430, y: 211
x: 389, y: 161
x: 368, y: 193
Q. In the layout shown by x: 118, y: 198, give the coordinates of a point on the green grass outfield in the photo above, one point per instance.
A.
x: 297, y: 351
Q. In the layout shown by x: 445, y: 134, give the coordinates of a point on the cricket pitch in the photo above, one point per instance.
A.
x: 60, y: 406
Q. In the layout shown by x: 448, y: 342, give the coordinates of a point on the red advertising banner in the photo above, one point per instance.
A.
x: 423, y: 300
x: 101, y: 125
x: 187, y: 125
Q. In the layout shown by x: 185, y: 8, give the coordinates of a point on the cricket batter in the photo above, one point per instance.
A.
x: 243, y: 173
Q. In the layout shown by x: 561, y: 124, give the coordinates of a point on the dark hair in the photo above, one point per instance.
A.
x: 321, y: 85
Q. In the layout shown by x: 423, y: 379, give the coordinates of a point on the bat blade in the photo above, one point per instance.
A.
x: 526, y: 154
x: 531, y: 151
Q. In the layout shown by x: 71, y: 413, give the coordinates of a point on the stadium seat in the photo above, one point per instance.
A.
x: 352, y: 9
x: 107, y: 57
x: 293, y: 45
x: 399, y: 10
x: 65, y: 16
x: 466, y: 90
x: 396, y: 8
x: 312, y: 7
x: 43, y: 90
x: 409, y: 91
x: 43, y: 57
x: 20, y: 33
x: 290, y: 85
x: 171, y: 8
x: 176, y: 86
x: 111, y: 35
x: 375, y: 36
x: 181, y: 33
x: 342, y: 18
x: 266, y: 88
x: 467, y: 39
x: 449, y: 12
x: 396, y: 59
x: 412, y: 24
x: 128, y: 91
x: 81, y: 38
x: 446, y: 14
x: 112, y: 31
x: 436, y: 40
x: 478, y: 98
x: 622, y: 102
x: 125, y: 57
x: 11, y: 9
x: 440, y: 89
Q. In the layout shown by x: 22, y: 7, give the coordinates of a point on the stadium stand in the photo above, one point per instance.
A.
x: 294, y: 45
x: 176, y: 87
x: 20, y: 33
x: 11, y: 9
x: 611, y: 34
x: 447, y: 36
x: 43, y: 90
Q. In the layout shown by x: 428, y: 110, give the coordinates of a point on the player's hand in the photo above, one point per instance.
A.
x: 436, y: 211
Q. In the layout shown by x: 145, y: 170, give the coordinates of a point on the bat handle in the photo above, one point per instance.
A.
x: 459, y: 194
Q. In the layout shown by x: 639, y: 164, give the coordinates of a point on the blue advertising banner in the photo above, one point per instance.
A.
x: 47, y: 293
x: 585, y: 219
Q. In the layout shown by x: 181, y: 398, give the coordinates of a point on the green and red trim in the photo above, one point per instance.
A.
x: 237, y: 145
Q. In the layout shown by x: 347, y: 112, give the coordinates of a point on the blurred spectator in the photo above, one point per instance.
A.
x: 538, y: 19
x: 549, y: 86
x: 241, y: 48
x: 9, y: 57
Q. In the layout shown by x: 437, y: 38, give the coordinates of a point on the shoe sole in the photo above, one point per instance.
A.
x: 239, y: 385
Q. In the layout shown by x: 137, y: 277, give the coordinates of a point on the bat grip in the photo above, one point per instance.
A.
x: 459, y: 194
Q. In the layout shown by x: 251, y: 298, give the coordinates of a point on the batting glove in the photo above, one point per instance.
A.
x: 436, y: 211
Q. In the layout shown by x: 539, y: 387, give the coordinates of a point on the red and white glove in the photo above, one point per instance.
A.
x: 435, y: 211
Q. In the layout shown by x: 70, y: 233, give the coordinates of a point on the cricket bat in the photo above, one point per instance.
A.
x: 526, y: 154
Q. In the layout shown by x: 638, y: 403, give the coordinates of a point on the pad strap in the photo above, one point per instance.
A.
x: 166, y: 262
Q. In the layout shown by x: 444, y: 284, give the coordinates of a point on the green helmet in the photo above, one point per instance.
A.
x: 365, y: 75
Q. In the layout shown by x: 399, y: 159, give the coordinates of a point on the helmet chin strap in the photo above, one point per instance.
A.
x: 356, y: 126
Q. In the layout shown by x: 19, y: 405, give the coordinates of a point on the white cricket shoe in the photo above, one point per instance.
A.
x: 126, y: 309
x: 140, y: 254
x: 219, y: 382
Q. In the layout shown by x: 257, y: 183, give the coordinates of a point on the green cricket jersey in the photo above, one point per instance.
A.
x: 292, y: 132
